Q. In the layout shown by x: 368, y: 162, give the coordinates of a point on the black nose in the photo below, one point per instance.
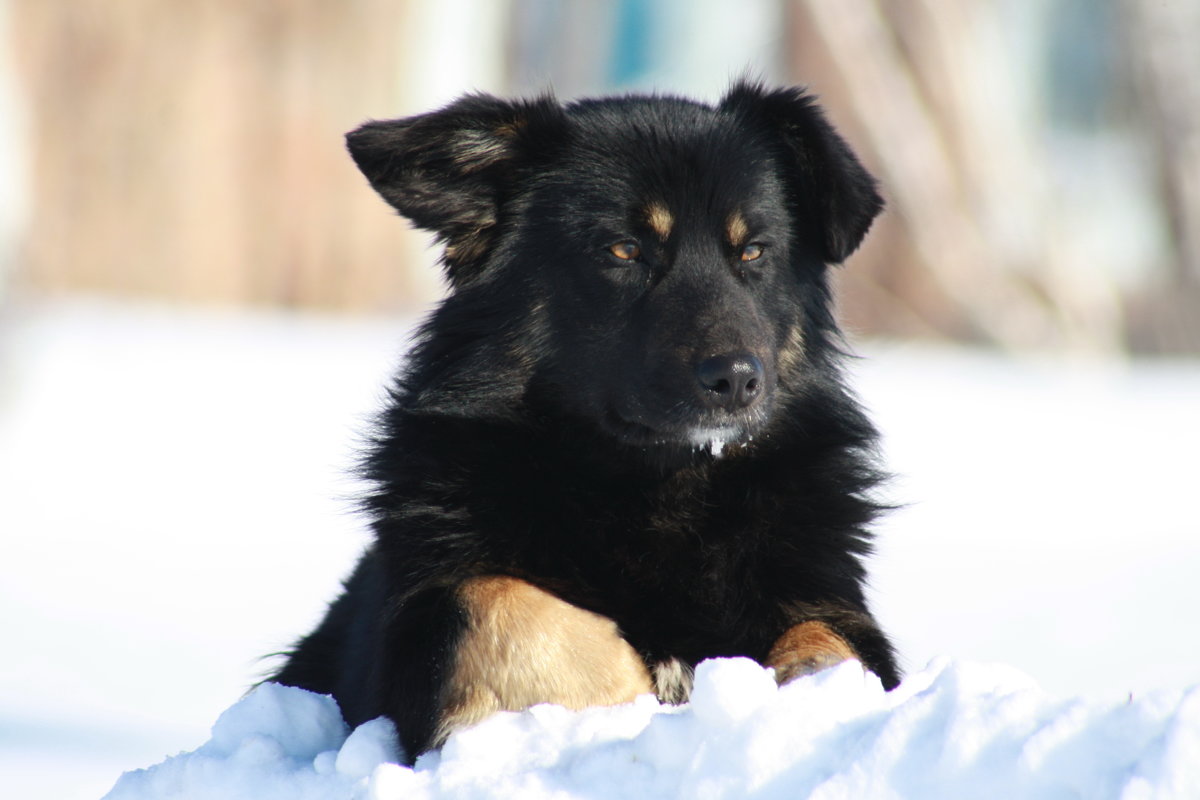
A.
x: 733, y: 381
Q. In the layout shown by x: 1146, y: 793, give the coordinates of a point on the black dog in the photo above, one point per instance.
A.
x: 622, y: 444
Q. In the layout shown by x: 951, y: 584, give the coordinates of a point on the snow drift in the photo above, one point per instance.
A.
x: 953, y: 730
x: 1047, y: 522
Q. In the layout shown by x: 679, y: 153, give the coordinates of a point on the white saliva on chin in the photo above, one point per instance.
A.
x: 713, y: 439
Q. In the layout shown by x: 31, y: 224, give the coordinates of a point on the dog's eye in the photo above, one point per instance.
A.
x: 752, y: 252
x: 626, y: 250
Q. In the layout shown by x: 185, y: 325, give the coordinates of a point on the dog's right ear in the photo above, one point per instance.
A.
x: 451, y: 170
x: 838, y: 190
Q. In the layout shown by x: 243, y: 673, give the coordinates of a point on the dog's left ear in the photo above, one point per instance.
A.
x: 835, y: 185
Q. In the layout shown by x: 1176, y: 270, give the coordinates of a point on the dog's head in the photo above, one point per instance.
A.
x: 655, y: 265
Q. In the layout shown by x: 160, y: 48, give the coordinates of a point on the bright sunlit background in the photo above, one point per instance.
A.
x: 200, y: 301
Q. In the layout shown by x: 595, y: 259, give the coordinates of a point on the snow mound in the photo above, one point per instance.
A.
x: 953, y: 730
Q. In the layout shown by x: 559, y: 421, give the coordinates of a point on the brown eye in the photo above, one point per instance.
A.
x: 626, y: 251
x: 752, y: 252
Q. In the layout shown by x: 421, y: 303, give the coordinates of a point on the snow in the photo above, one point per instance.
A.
x: 953, y: 730
x: 174, y: 505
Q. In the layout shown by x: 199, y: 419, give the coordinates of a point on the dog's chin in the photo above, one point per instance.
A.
x: 717, y: 437
x: 716, y: 440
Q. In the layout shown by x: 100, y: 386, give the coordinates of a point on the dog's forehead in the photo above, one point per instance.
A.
x: 672, y: 134
x: 667, y: 161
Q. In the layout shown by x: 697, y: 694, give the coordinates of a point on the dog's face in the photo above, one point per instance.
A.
x: 670, y: 255
x: 664, y: 239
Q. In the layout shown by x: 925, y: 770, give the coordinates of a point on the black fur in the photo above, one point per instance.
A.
x: 549, y: 425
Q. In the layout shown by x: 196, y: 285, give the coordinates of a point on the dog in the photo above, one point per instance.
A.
x: 622, y: 443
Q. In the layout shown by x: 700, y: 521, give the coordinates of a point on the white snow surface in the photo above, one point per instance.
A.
x: 174, y: 504
x: 953, y: 730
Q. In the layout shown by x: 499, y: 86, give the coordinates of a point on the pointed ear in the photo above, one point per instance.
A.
x: 830, y: 180
x: 450, y: 171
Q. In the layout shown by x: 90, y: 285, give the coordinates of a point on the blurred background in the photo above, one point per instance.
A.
x: 200, y: 299
x: 1041, y: 158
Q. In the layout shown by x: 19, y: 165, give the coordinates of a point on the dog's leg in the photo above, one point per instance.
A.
x: 807, y: 648
x: 522, y: 646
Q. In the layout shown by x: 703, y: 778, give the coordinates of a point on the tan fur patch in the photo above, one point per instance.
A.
x: 807, y: 648
x: 510, y: 130
x: 791, y: 355
x: 524, y: 646
x: 473, y: 150
x: 467, y: 247
x: 660, y: 219
x: 737, y: 229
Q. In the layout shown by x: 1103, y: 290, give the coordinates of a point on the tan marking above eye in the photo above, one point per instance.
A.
x: 752, y: 252
x: 736, y: 229
x: 660, y: 219
x: 626, y: 250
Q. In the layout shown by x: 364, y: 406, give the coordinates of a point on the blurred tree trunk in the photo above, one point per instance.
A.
x: 193, y: 150
x: 1163, y: 46
x: 965, y: 251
